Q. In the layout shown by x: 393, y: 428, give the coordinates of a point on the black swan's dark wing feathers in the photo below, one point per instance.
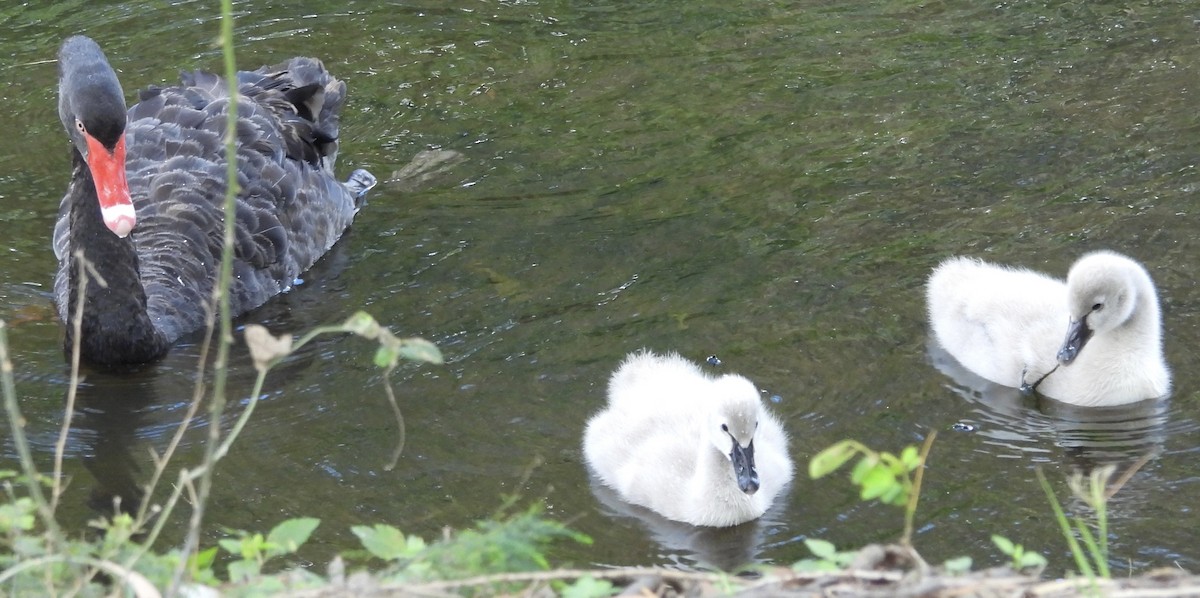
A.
x: 317, y: 100
x: 290, y: 208
x: 299, y: 92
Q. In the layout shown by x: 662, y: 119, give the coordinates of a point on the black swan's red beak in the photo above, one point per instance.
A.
x: 108, y: 173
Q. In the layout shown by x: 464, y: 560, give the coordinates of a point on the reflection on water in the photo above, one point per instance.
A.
x: 123, y: 416
x: 125, y: 421
x: 688, y: 546
x: 1068, y: 440
x: 112, y: 434
x: 1020, y: 425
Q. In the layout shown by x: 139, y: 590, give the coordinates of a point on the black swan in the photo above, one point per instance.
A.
x: 145, y: 202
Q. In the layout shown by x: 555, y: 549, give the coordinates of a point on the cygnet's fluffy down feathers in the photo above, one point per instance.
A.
x: 666, y: 438
x: 1011, y: 326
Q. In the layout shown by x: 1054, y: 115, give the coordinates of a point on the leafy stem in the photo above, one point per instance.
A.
x: 891, y: 479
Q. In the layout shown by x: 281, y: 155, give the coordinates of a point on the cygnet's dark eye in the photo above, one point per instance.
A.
x: 1098, y: 307
x: 725, y: 428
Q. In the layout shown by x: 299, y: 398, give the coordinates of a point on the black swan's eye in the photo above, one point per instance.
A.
x: 79, y: 125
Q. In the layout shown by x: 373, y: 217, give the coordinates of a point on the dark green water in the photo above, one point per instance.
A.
x: 769, y: 182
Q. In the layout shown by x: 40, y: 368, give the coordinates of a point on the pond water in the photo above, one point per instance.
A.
x: 769, y: 182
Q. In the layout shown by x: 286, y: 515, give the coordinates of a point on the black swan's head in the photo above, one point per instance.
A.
x: 91, y: 106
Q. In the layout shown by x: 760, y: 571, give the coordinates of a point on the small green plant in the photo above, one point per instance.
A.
x: 389, y: 543
x: 114, y: 563
x: 33, y: 563
x: 1092, y: 556
x: 959, y: 565
x: 828, y: 558
x: 881, y: 475
x: 1090, y: 549
x: 891, y: 479
x: 255, y: 550
x: 18, y: 515
x: 498, y: 545
x: 587, y: 587
x: 1021, y: 559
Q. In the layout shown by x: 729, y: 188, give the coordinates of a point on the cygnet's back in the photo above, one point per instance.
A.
x: 1095, y: 340
x: 688, y: 446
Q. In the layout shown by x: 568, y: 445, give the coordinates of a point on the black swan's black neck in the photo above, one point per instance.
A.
x: 116, y: 327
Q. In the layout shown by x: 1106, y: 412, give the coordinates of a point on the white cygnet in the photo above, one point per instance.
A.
x: 1094, y: 341
x: 693, y: 448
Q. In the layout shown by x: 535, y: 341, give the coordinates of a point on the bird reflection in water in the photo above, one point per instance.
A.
x: 1010, y: 420
x: 691, y: 547
x: 107, y: 433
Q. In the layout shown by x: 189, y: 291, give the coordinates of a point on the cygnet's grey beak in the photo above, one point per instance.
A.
x: 743, y: 467
x: 1077, y: 336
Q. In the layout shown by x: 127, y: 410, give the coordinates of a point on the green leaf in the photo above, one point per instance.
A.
x: 862, y: 468
x: 231, y: 545
x: 362, y: 324
x: 821, y: 548
x: 420, y: 350
x: 877, y: 482
x: 1004, y: 544
x: 289, y: 535
x: 244, y: 570
x: 386, y: 356
x: 588, y: 587
x: 910, y: 457
x: 830, y: 459
x: 958, y: 566
x: 247, y: 546
x: 386, y: 542
x: 200, y: 566
x: 1031, y: 560
x: 416, y: 544
x: 894, y: 495
x: 17, y: 515
x: 202, y: 561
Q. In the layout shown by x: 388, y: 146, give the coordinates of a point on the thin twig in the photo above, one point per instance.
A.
x: 141, y: 587
x: 86, y: 271
x: 220, y: 300
x: 82, y: 267
x: 717, y: 579
x: 160, y: 461
x: 391, y: 397
x: 914, y: 496
x: 238, y: 425
x: 1116, y: 486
